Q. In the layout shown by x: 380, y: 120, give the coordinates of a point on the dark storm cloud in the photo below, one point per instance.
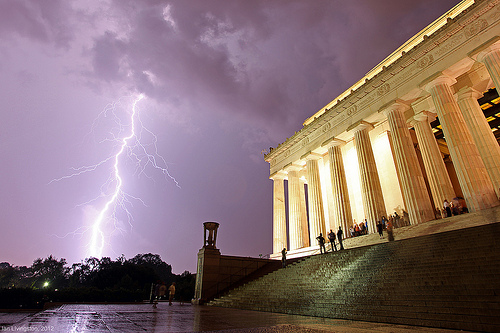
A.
x: 271, y: 63
x: 108, y: 53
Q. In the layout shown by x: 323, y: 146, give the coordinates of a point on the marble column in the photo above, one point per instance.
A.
x: 304, y: 224
x: 411, y: 178
x: 437, y: 175
x: 314, y: 195
x: 373, y: 200
x: 341, y: 203
x: 294, y: 216
x: 471, y: 172
x: 484, y: 138
x: 279, y: 214
x: 490, y: 57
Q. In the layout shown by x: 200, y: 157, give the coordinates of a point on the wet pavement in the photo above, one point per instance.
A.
x: 186, y: 318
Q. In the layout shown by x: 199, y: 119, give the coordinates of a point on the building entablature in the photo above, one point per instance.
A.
x: 443, y: 55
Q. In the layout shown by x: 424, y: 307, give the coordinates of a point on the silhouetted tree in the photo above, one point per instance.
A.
x: 185, y: 284
x: 153, y: 261
x: 91, y: 280
x: 7, y: 275
x: 49, y: 270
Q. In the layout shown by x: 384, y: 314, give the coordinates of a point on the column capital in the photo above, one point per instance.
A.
x: 423, y: 116
x: 310, y: 156
x: 440, y: 79
x: 423, y: 104
x: 359, y: 126
x: 396, y: 105
x: 468, y: 92
x: 479, y: 53
x: 292, y: 167
x: 333, y: 142
x: 280, y: 174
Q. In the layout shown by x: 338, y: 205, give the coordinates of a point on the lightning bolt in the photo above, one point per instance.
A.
x: 129, y: 145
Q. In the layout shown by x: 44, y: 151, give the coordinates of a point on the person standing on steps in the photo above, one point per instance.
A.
x: 283, y: 257
x: 390, y: 232
x: 380, y: 229
x: 447, y: 207
x: 321, y: 241
x: 331, y: 237
x: 339, y: 237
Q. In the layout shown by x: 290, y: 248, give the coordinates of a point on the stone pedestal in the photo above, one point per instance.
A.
x: 207, y: 274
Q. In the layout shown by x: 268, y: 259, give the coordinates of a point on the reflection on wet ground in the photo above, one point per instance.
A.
x: 186, y: 318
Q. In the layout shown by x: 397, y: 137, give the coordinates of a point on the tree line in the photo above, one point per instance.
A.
x: 92, y: 280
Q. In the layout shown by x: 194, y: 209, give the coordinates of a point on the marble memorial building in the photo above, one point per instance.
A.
x: 405, y: 137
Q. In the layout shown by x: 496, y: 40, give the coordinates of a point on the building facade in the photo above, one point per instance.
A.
x: 408, y: 135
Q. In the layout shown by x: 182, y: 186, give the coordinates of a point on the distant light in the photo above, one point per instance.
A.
x: 494, y: 129
x: 486, y: 106
x: 46, y: 284
x: 490, y: 118
x: 496, y: 100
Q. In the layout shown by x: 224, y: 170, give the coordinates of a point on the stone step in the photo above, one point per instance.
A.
x: 436, y: 280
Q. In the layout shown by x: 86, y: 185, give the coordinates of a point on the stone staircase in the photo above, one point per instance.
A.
x: 447, y: 280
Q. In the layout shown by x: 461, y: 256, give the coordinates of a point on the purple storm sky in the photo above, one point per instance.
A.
x: 222, y: 80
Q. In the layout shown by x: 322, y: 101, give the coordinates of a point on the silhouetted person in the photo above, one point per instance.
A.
x: 171, y: 293
x: 283, y: 257
x: 321, y: 241
x: 152, y: 294
x: 160, y: 290
x: 380, y: 229
x: 437, y: 213
x: 390, y: 233
x: 447, y: 207
x: 339, y: 237
x: 331, y: 237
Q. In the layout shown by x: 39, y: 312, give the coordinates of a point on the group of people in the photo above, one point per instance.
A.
x: 455, y: 207
x: 394, y: 221
x: 160, y: 290
x: 331, y: 237
x: 358, y: 229
x: 386, y: 224
x: 321, y: 241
